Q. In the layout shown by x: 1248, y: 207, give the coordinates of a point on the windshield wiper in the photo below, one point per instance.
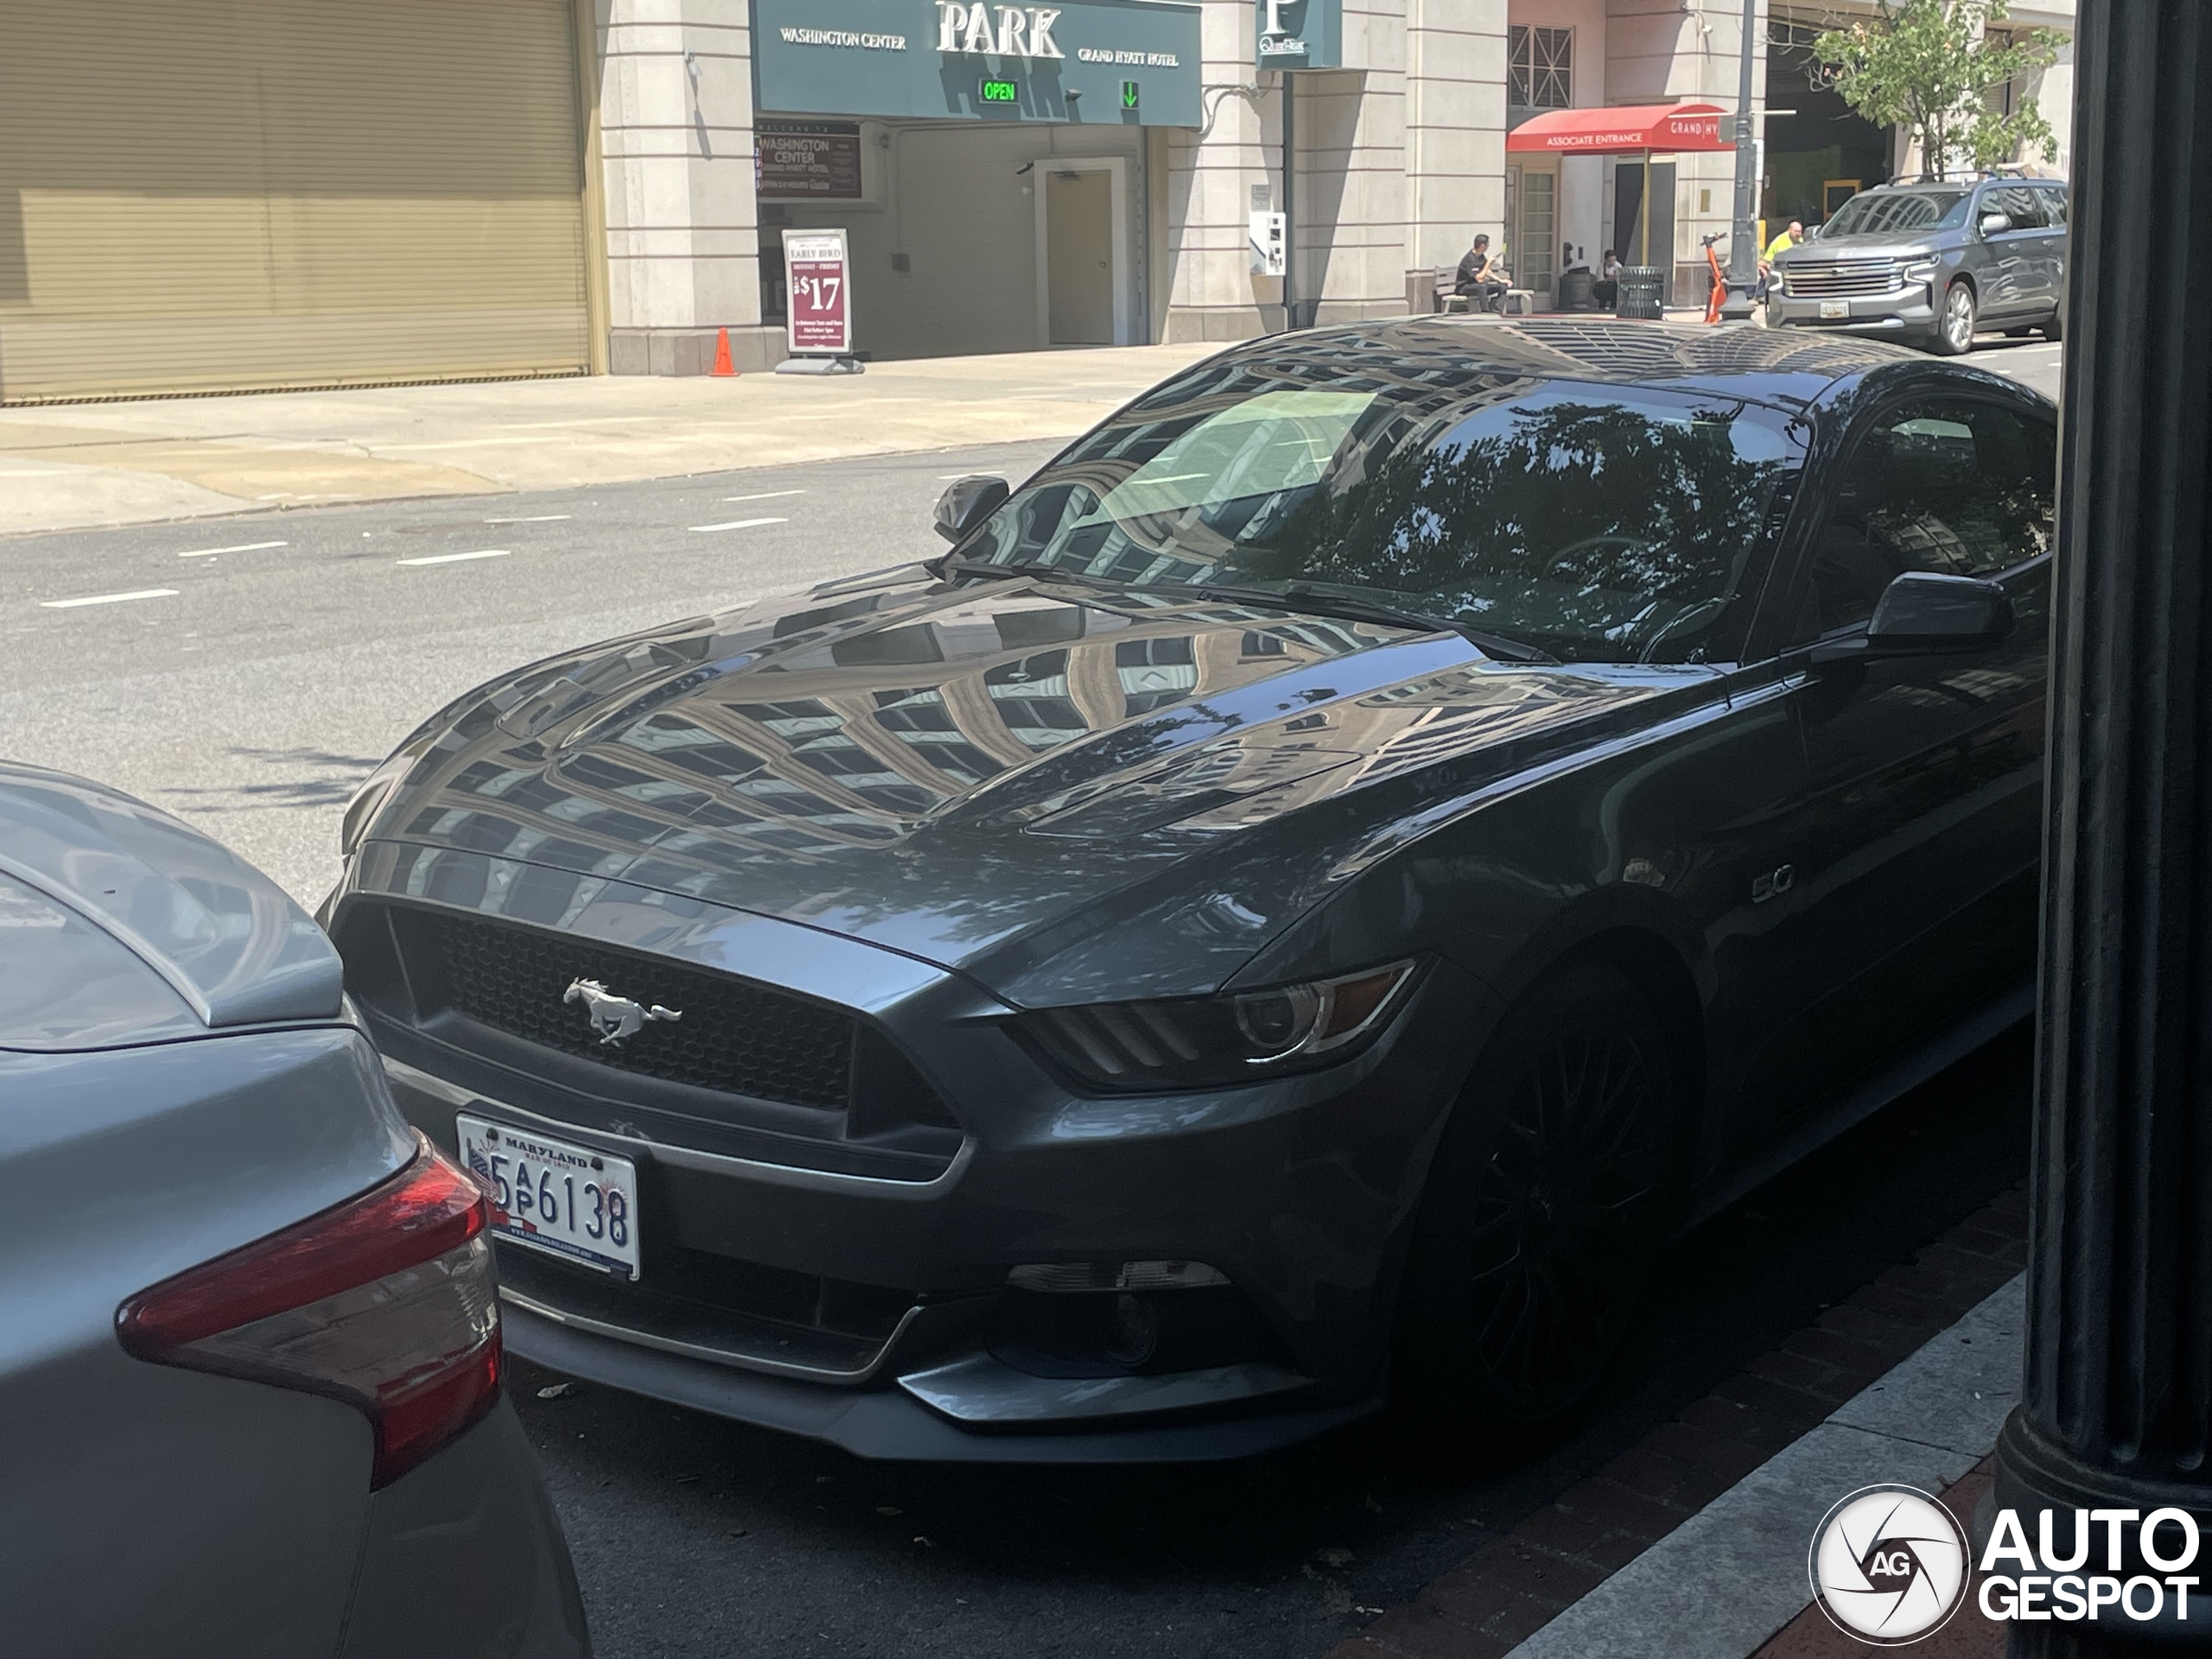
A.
x: 1351, y: 608
x: 991, y: 568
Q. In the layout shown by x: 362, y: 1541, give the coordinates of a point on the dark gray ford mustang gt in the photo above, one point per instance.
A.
x: 1302, y: 898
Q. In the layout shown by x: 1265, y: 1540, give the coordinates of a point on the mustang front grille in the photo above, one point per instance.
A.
x: 731, y: 1036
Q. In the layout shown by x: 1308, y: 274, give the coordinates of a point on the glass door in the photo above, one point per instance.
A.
x: 1535, y: 235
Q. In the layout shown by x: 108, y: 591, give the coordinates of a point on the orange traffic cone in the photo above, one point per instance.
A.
x: 724, y: 368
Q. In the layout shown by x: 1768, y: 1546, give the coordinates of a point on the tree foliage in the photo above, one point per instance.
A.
x: 1929, y: 66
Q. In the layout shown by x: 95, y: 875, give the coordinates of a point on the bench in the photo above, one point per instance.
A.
x: 1514, y: 303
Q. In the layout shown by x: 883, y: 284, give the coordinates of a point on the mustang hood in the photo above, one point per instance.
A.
x: 979, y: 775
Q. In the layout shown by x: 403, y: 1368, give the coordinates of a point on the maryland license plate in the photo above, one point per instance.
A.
x: 568, y: 1201
x: 1830, y: 308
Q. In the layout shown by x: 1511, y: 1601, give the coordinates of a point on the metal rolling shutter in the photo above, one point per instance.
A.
x: 207, y: 194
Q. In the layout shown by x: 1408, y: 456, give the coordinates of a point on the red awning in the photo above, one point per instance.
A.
x: 1625, y: 131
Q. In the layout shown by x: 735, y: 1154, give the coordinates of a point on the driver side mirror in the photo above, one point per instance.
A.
x: 1923, y: 614
x: 1992, y: 223
x: 967, y: 502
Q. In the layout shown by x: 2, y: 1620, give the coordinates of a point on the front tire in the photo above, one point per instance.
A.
x: 1954, y: 333
x: 2055, y: 329
x: 1555, y: 1185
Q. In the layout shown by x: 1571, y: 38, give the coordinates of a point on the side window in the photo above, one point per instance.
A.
x: 2019, y: 203
x: 1946, y: 485
x: 2054, y: 203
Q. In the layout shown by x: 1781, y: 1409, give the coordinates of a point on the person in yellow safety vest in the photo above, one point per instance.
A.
x: 1791, y: 235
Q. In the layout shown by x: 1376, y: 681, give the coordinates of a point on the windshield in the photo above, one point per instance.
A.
x: 1887, y: 212
x: 1595, y: 523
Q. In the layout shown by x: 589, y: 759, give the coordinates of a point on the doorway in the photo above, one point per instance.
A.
x: 1628, y: 216
x: 1079, y: 257
x: 1532, y: 226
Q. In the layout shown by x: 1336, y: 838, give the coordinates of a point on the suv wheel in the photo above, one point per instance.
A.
x: 1553, y: 1188
x: 1954, y: 334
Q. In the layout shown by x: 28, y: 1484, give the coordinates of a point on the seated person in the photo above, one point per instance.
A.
x: 1606, y: 290
x: 1480, y: 279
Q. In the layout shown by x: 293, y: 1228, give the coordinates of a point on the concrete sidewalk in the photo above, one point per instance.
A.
x: 76, y: 466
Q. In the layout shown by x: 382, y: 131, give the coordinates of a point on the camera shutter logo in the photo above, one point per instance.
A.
x: 1889, y: 1566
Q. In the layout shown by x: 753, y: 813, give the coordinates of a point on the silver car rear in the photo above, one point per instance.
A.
x: 190, y: 1124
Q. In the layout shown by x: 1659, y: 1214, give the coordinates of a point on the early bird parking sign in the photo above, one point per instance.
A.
x: 818, y: 292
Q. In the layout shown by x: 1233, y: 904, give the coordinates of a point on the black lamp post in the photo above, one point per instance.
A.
x: 2117, y: 1411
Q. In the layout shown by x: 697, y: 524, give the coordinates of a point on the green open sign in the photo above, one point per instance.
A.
x: 1002, y: 91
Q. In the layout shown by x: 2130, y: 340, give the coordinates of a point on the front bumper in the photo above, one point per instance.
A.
x: 1300, y: 1190
x: 891, y: 1424
x: 1909, y: 314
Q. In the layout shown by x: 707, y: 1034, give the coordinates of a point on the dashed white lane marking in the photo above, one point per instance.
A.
x: 537, y: 519
x: 243, y: 547
x: 109, y: 599
x: 737, y: 524
x: 456, y: 558
x: 765, y: 495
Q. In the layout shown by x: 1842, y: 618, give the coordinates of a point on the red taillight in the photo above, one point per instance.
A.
x: 388, y: 1302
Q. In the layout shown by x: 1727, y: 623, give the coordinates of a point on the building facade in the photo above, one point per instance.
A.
x: 242, y: 193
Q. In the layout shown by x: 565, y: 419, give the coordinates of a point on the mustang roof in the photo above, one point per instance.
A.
x: 1789, y: 365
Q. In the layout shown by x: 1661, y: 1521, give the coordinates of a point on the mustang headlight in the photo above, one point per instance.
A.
x: 1197, y: 1042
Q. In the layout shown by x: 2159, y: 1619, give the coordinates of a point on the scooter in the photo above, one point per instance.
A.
x: 1720, y: 295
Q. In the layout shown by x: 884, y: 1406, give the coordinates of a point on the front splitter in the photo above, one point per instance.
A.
x: 889, y: 1424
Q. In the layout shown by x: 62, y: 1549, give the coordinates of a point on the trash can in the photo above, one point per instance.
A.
x: 1643, y: 288
x: 1574, y: 289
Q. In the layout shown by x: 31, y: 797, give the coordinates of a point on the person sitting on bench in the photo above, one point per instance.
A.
x: 1480, y: 279
x: 1606, y: 290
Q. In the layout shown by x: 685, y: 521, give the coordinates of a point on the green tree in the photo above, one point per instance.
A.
x: 1929, y: 66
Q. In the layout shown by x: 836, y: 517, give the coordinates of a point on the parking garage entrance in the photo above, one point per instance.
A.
x: 990, y: 165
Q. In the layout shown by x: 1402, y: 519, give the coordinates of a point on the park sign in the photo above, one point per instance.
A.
x: 1299, y: 35
x: 1098, y: 62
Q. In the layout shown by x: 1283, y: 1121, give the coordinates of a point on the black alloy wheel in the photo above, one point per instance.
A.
x: 1552, y: 1189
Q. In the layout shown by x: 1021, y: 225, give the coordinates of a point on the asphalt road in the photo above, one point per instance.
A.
x: 246, y: 673
x: 277, y: 657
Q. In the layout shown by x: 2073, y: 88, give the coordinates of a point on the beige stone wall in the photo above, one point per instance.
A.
x: 1352, y: 172
x: 1206, y: 192
x: 1350, y: 216
x: 1455, y: 129
x: 682, y: 252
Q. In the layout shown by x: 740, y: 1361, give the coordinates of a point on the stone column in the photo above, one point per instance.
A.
x: 2117, y: 1407
x: 1348, y: 223
x: 1455, y: 134
x: 1211, y: 293
x: 1351, y: 222
x: 676, y: 141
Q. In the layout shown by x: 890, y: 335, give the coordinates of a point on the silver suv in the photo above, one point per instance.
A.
x: 1932, y: 262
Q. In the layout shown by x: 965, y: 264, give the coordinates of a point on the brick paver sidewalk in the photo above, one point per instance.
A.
x: 1513, y: 1585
